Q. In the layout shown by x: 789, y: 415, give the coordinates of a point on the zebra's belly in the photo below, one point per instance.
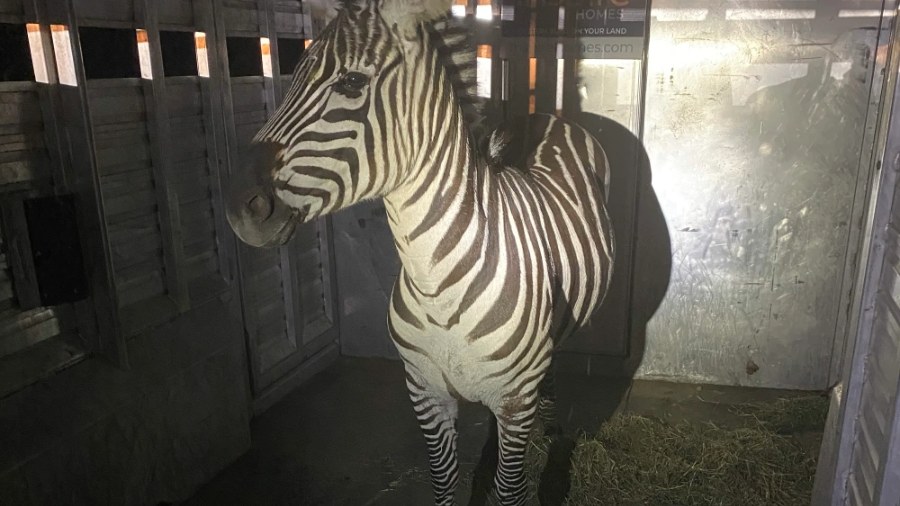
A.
x: 481, y: 370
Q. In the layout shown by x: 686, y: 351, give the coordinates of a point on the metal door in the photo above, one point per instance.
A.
x: 861, y: 464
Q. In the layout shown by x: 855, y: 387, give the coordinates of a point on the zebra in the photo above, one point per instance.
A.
x: 506, y: 245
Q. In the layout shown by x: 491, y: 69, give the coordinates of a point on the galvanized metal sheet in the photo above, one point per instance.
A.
x: 754, y: 121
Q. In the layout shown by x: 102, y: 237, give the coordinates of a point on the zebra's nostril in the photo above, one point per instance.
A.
x: 260, y: 206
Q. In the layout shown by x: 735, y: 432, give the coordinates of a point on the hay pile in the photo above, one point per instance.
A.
x: 634, y: 460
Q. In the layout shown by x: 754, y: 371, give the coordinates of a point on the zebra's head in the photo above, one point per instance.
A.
x: 347, y: 128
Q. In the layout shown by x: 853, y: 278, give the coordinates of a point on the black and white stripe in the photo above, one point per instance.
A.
x: 505, y: 250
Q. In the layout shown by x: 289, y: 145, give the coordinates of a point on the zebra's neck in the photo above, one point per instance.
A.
x: 436, y: 214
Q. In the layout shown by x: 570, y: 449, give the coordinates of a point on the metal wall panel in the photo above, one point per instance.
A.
x: 859, y: 464
x: 755, y: 119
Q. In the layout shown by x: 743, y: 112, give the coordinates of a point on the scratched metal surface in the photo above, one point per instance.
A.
x: 753, y: 129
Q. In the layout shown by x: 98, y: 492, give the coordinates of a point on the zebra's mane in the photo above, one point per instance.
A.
x: 452, y: 39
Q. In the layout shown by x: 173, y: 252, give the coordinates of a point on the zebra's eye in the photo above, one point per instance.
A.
x: 353, y: 81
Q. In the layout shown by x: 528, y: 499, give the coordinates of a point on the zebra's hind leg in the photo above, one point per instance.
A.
x: 513, y: 427
x: 437, y: 419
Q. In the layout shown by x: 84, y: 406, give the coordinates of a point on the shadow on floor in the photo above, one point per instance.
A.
x: 349, y: 437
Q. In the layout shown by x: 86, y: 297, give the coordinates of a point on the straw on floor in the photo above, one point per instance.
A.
x: 636, y: 460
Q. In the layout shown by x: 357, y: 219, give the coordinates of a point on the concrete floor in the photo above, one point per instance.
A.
x: 349, y: 437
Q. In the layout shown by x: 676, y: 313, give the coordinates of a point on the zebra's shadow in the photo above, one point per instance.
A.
x: 584, y: 403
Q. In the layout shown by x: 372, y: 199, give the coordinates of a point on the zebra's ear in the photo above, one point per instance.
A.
x: 409, y: 13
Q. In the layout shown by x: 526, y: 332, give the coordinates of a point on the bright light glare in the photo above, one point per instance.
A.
x: 143, y: 44
x: 484, y: 12
x: 663, y: 14
x: 36, y: 44
x: 458, y: 11
x: 266, y: 51
x: 666, y: 53
x: 768, y: 14
x: 62, y: 47
x: 483, y: 64
x: 863, y: 13
x: 202, y: 57
x: 560, y: 65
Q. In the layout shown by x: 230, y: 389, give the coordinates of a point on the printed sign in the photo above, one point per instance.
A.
x: 605, y: 29
x: 609, y: 22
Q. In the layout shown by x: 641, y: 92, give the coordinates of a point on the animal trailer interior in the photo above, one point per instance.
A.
x: 747, y: 350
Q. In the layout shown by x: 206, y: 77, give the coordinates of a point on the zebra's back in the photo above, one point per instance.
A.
x: 568, y: 171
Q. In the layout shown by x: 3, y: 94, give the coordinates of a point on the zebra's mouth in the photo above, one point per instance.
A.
x: 298, y: 217
x: 301, y: 215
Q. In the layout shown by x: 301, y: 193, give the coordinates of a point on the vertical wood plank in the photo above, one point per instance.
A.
x: 216, y: 138
x: 158, y: 129
x: 75, y: 127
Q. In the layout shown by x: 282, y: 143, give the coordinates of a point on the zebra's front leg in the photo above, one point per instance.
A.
x: 513, y: 427
x: 437, y: 419
x: 547, y: 403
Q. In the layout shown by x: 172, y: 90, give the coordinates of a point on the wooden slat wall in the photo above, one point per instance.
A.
x: 11, y: 7
x: 26, y: 170
x: 288, y: 295
x: 23, y: 155
x: 122, y: 146
x: 174, y: 13
x: 288, y: 18
x: 264, y: 272
x: 105, y: 12
x: 192, y: 181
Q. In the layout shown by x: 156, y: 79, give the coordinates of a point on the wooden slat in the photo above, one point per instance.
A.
x: 21, y: 171
x: 184, y: 100
x: 143, y: 288
x: 288, y: 17
x: 20, y: 109
x: 241, y: 16
x: 104, y: 10
x: 176, y: 12
x: 11, y: 7
x: 199, y: 225
x: 204, y: 263
x: 21, y: 329
x: 22, y: 141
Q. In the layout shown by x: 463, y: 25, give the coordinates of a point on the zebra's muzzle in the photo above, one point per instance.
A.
x: 257, y: 216
x: 262, y: 220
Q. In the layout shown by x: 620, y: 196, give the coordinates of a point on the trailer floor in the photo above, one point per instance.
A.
x: 349, y: 437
